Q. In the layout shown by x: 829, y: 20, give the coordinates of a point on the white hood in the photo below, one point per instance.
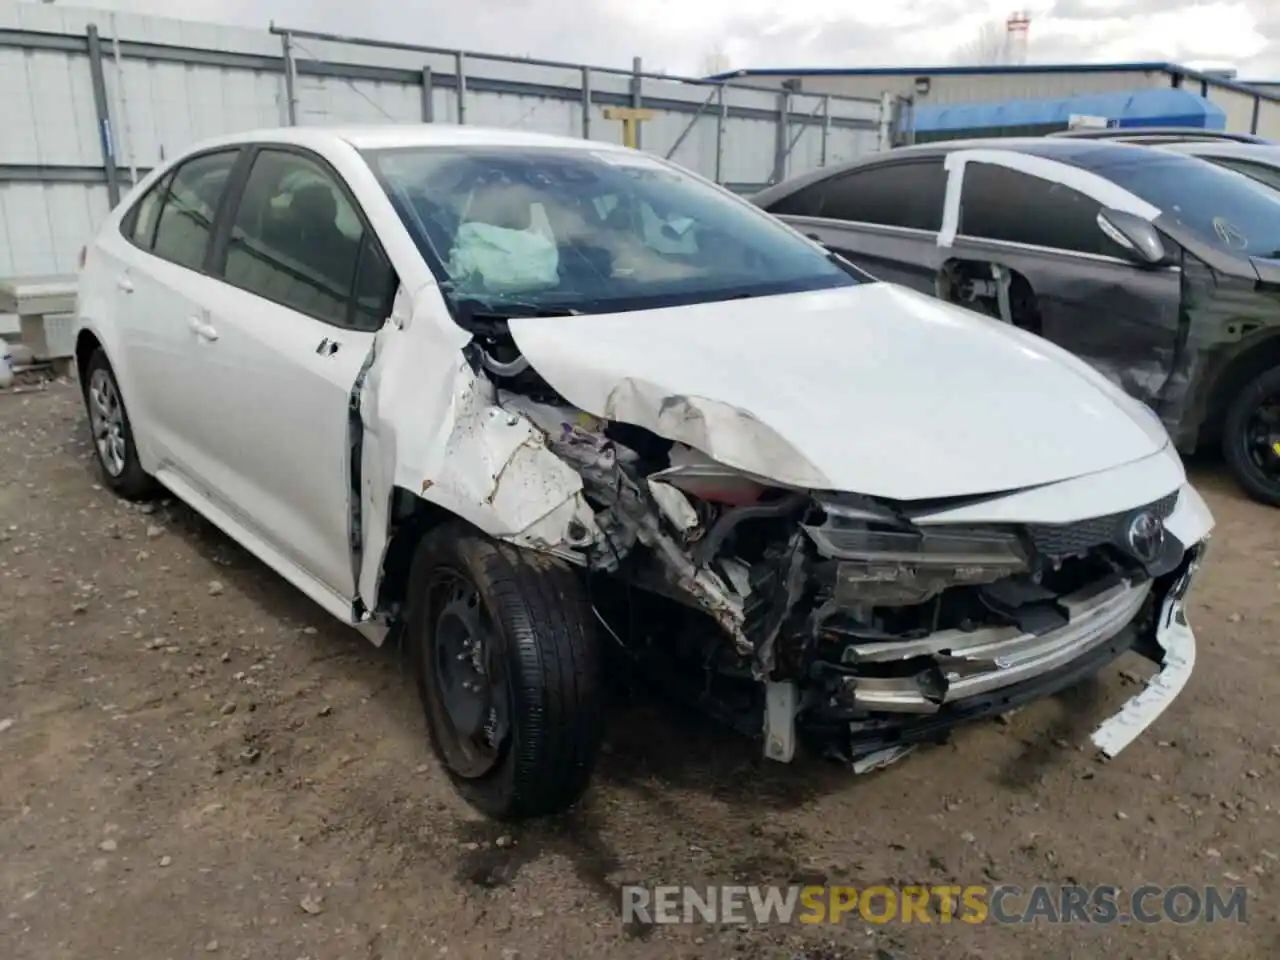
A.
x: 874, y: 389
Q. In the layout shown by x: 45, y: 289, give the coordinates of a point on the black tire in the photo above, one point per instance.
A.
x: 544, y: 644
x: 1236, y: 440
x: 130, y: 481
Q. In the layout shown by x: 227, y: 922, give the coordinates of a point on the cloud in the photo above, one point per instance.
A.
x: 676, y: 35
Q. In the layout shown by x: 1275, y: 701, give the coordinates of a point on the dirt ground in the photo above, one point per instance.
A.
x: 195, y: 762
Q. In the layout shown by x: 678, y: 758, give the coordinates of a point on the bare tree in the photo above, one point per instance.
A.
x: 989, y: 46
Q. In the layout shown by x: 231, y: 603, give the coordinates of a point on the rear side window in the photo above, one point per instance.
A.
x: 904, y: 194
x: 188, y: 206
x: 296, y: 238
x: 998, y: 203
x: 140, y: 226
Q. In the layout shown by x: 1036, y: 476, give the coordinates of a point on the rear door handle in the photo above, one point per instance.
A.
x: 124, y: 284
x: 201, y: 329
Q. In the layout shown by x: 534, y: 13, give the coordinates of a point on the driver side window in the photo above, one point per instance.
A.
x: 999, y: 203
x: 298, y: 240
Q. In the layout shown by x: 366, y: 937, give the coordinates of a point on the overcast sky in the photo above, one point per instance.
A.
x: 677, y: 35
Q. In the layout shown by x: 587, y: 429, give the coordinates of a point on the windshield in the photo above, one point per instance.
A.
x: 1226, y: 209
x: 589, y: 231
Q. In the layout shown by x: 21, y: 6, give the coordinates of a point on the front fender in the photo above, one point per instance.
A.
x: 430, y: 424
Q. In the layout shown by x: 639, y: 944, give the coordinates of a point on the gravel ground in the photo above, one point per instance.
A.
x: 195, y: 762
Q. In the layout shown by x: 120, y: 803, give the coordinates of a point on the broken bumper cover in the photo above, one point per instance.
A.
x: 1102, y: 628
x: 990, y: 659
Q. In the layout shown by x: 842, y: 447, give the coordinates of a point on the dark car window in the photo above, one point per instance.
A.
x: 998, y: 203
x: 190, y: 202
x: 139, y: 224
x: 1270, y: 176
x: 901, y: 194
x: 591, y: 231
x: 1224, y: 209
x: 296, y: 237
x: 375, y: 286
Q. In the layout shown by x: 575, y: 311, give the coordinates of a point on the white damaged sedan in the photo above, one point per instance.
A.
x: 527, y: 404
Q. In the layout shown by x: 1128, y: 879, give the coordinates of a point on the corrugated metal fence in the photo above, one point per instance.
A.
x: 92, y: 100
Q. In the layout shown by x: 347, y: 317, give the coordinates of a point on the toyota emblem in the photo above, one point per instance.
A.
x: 1146, y: 536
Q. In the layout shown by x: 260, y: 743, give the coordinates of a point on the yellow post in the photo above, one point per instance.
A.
x: 631, y: 117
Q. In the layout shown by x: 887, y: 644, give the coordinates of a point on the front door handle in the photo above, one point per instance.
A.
x: 201, y: 329
x: 124, y: 284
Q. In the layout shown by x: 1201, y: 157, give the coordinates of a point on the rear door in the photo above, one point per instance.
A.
x: 883, y: 217
x: 280, y: 345
x: 1071, y: 283
x: 160, y: 278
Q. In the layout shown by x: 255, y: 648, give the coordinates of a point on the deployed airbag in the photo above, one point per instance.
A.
x: 489, y: 259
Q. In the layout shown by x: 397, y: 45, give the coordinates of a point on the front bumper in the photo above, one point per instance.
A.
x: 1148, y: 618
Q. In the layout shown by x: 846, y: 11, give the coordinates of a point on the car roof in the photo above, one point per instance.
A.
x: 1153, y: 135
x: 1088, y: 154
x: 393, y: 135
x: 1261, y: 153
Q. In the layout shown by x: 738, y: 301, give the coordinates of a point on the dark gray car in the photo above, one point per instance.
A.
x: 1160, y: 269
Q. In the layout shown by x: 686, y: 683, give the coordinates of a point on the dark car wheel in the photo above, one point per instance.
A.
x: 504, y: 650
x: 1251, y: 438
x: 112, y: 435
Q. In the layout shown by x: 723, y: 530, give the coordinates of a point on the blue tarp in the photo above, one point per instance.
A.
x: 1166, y: 107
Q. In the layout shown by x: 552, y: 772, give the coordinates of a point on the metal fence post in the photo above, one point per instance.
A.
x: 637, y: 93
x: 781, y: 136
x: 826, y: 129
x: 586, y: 103
x: 428, y: 97
x: 290, y: 80
x: 105, y: 138
x: 885, y: 133
x: 721, y: 120
x: 460, y: 65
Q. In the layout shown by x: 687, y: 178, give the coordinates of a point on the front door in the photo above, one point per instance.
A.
x: 1068, y: 281
x: 275, y: 355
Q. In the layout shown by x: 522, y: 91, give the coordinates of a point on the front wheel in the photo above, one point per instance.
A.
x: 1251, y: 438
x: 508, y: 669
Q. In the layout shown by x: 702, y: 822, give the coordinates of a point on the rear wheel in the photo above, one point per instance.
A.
x: 112, y: 434
x: 508, y: 669
x: 1251, y: 438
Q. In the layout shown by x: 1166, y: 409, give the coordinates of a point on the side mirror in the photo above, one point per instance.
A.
x: 1140, y: 239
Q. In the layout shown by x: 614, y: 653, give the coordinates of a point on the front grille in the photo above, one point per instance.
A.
x: 1066, y: 539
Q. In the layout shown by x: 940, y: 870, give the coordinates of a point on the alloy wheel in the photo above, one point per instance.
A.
x: 106, y: 419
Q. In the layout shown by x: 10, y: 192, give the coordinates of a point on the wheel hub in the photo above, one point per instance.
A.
x: 1263, y: 436
x: 470, y: 688
x: 106, y: 419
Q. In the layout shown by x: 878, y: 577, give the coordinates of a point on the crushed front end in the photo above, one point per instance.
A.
x: 849, y: 622
x: 916, y: 629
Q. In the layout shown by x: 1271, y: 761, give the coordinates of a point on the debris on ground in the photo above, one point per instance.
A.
x: 104, y: 744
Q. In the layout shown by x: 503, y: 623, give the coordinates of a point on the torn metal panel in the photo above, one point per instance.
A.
x: 432, y: 426
x: 1229, y: 318
x: 1137, y: 343
x: 880, y: 759
x: 1177, y: 642
x: 630, y: 512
